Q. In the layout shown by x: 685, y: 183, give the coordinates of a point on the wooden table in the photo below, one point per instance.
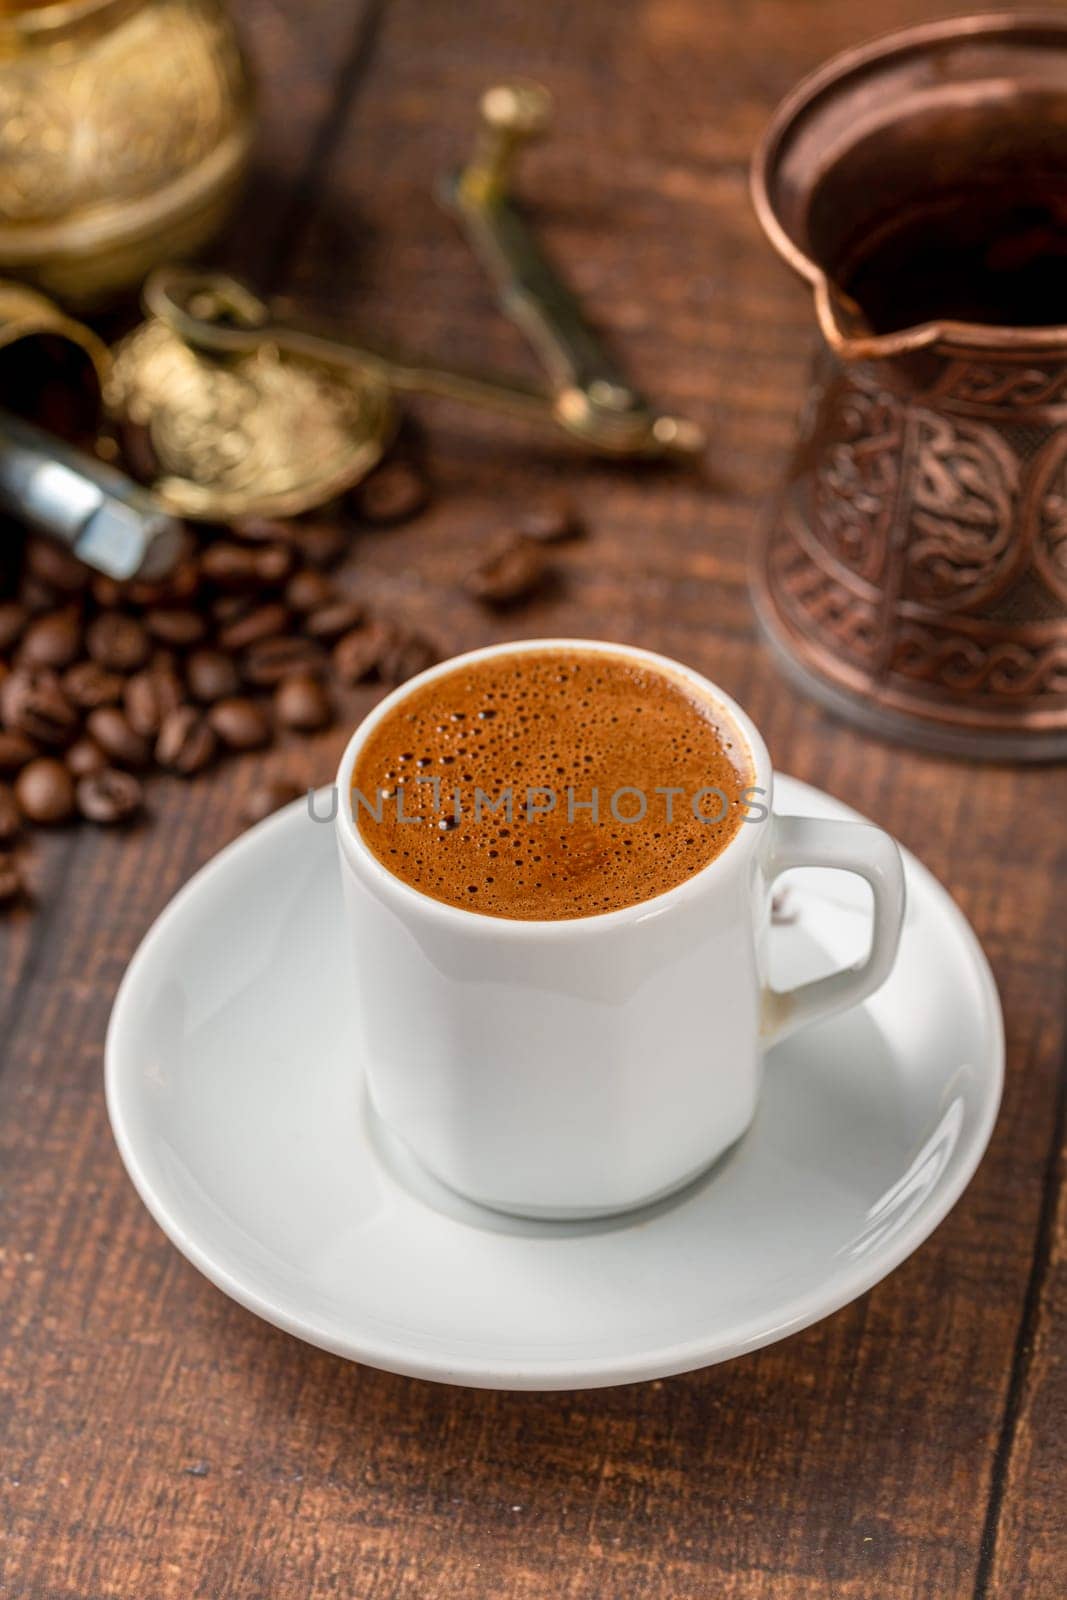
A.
x: 159, y: 1443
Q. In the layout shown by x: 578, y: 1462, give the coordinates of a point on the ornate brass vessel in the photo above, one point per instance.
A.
x: 914, y: 573
x: 124, y: 129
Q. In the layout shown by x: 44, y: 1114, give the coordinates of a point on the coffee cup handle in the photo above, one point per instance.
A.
x: 853, y: 847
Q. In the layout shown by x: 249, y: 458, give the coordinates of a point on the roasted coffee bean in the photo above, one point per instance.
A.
x: 13, y: 619
x: 10, y: 815
x: 175, y: 625
x: 15, y: 750
x: 307, y: 590
x: 84, y: 757
x: 44, y: 790
x: 138, y: 451
x: 268, y: 798
x: 144, y: 592
x: 51, y: 640
x: 179, y: 586
x: 262, y: 623
x: 357, y: 655
x: 112, y: 732
x: 50, y: 563
x: 227, y: 608
x: 268, y: 662
x: 240, y: 723
x: 301, y: 703
x: 228, y: 566
x: 118, y: 642
x: 185, y: 581
x: 211, y: 675
x: 331, y: 621
x: 32, y: 702
x: 10, y: 878
x: 108, y: 796
x: 511, y: 571
x: 320, y: 544
x: 147, y: 698
x: 176, y: 586
x: 107, y: 592
x: 405, y: 655
x: 274, y: 563
x: 263, y: 530
x: 234, y: 566
x: 186, y: 742
x: 89, y: 685
x: 549, y: 520
x: 37, y: 596
x: 395, y: 492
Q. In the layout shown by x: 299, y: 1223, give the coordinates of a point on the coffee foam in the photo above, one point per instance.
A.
x: 556, y: 721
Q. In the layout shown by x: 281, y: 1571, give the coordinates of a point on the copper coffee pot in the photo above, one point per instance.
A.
x: 913, y: 575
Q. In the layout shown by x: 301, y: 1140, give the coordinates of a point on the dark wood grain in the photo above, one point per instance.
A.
x: 160, y: 1442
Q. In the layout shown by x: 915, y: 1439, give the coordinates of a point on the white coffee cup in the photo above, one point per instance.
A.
x: 584, y: 1066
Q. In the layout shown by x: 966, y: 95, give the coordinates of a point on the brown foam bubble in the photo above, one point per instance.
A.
x: 564, y: 721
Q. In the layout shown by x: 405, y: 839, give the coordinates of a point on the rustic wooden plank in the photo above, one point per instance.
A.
x: 158, y: 1440
x: 1026, y: 1529
x: 306, y: 61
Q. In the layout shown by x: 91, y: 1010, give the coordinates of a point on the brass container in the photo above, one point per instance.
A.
x: 52, y: 369
x: 914, y: 573
x: 125, y: 128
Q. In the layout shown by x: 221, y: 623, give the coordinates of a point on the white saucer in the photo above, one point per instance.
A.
x: 236, y: 1099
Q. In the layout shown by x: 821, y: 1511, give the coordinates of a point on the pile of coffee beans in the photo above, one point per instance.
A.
x: 249, y: 639
x: 102, y: 683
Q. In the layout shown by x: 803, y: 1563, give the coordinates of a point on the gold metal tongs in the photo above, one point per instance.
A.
x: 249, y: 411
x: 591, y: 398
